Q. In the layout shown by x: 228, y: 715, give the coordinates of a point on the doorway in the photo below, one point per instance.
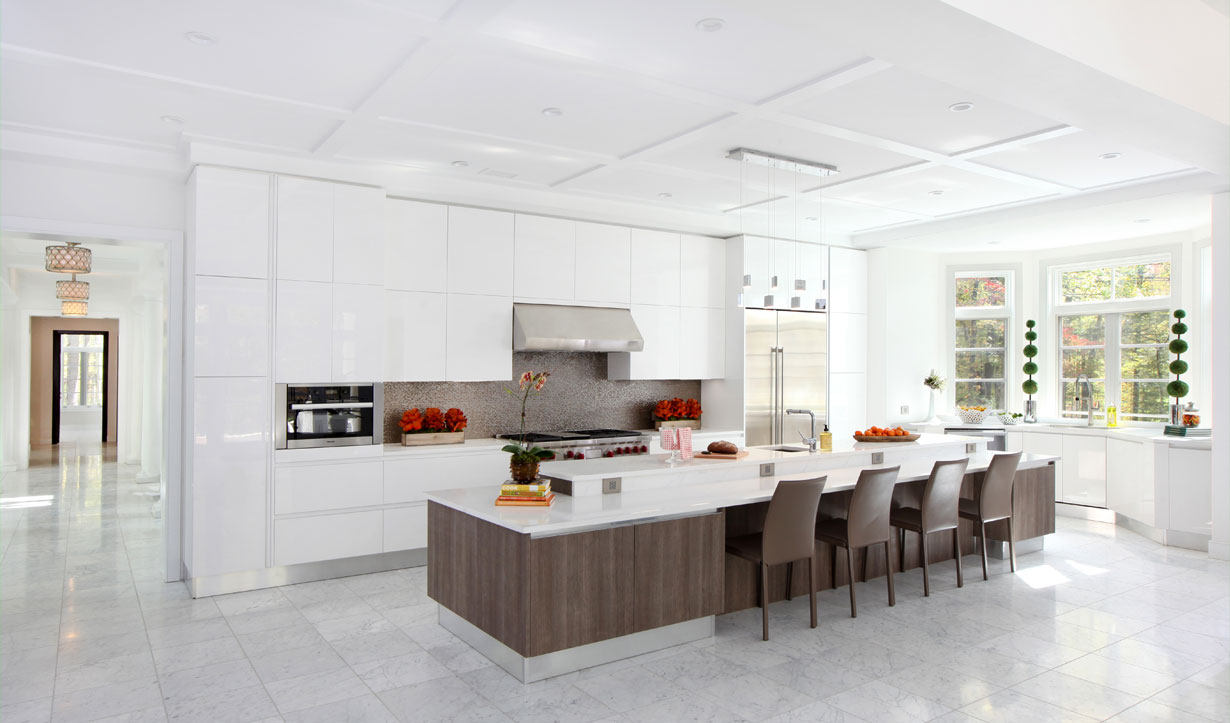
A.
x: 79, y: 388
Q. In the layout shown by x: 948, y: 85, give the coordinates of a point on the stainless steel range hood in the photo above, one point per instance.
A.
x: 548, y: 327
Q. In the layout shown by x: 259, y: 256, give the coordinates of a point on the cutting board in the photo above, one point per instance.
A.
x: 710, y: 455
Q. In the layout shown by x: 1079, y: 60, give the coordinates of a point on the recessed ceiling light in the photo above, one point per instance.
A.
x: 710, y: 25
x: 936, y: 192
x: 811, y: 218
x: 665, y: 195
x: 196, y: 36
x: 992, y: 243
x: 461, y: 164
x: 961, y: 107
x: 552, y: 112
x: 173, y: 120
x: 1110, y: 156
x: 1142, y: 220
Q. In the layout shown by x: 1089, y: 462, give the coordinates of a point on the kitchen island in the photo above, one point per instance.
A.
x: 601, y: 576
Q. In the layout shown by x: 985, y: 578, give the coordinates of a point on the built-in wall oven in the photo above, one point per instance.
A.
x: 329, y: 415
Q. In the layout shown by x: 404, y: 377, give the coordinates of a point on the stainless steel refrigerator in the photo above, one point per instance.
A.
x: 785, y: 367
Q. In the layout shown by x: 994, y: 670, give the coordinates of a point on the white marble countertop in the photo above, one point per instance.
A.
x: 575, y: 514
x: 1130, y: 434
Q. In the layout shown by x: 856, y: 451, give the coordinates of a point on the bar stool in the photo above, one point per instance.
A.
x: 994, y: 503
x: 787, y: 537
x: 866, y: 524
x: 937, y: 513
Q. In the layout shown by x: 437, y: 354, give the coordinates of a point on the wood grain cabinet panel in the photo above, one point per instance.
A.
x: 679, y: 570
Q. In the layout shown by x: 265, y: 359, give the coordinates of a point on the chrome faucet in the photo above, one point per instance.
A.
x: 811, y: 441
x: 1088, y: 391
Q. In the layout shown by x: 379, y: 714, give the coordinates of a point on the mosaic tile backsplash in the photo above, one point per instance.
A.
x: 577, y: 396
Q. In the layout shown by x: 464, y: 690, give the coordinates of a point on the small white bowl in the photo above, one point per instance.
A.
x: 1008, y: 420
x: 971, y: 416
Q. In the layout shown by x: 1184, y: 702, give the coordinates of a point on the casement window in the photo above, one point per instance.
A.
x: 1113, y: 322
x: 982, y: 318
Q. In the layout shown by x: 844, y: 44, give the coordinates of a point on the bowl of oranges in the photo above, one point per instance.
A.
x: 880, y: 434
x: 972, y: 415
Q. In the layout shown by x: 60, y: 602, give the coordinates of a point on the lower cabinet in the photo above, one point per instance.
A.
x: 320, y: 487
x: 1084, y: 470
x: 678, y: 573
x: 1129, y: 479
x: 1191, y: 496
x: 1049, y: 444
x: 405, y: 528
x: 406, y: 479
x: 327, y: 537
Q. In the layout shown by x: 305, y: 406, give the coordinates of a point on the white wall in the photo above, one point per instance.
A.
x: 905, y: 332
x: 1219, y: 546
x: 67, y: 193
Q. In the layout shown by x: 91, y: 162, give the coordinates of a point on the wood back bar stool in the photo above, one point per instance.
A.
x: 789, y: 535
x: 938, y: 512
x: 994, y: 503
x: 866, y: 523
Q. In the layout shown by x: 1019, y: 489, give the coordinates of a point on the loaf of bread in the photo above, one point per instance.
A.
x: 723, y: 447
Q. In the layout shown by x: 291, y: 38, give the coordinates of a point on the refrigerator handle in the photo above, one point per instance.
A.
x: 781, y: 395
x: 773, y: 395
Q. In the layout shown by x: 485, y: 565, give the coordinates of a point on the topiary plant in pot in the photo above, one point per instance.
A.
x: 1029, y: 386
x: 1177, y: 388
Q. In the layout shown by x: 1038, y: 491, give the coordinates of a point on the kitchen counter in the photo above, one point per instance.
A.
x: 1131, y: 434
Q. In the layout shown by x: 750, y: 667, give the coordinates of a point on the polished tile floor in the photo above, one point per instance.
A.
x: 1103, y: 625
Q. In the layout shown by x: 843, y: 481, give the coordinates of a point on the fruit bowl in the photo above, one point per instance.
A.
x: 1008, y: 418
x: 971, y: 415
x: 877, y: 434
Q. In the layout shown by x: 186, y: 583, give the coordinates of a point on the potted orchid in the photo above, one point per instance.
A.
x: 523, y: 465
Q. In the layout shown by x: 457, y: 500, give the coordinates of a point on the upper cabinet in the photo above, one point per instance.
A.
x: 303, y: 333
x: 545, y: 262
x: 702, y: 271
x: 480, y: 252
x: 230, y: 222
x: 231, y: 332
x: 358, y: 234
x: 655, y: 274
x: 603, y: 258
x: 659, y: 326
x: 479, y: 338
x: 847, y: 280
x: 414, y: 322
x: 358, y: 333
x: 415, y: 246
x: 305, y: 229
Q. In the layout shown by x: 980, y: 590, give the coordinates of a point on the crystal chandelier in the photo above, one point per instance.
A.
x: 72, y: 258
x: 73, y: 290
x: 74, y: 308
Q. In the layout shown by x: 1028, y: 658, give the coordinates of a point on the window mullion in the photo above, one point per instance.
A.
x: 1113, y: 357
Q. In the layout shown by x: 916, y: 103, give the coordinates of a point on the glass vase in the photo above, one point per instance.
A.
x: 1031, y: 411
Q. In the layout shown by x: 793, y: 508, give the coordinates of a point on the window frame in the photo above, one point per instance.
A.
x: 1007, y: 313
x: 1150, y: 303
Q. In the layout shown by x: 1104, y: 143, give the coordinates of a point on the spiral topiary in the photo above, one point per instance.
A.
x: 1029, y: 386
x: 1178, y: 388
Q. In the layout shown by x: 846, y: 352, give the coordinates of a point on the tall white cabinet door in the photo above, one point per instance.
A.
x: 358, y: 234
x: 659, y: 326
x: 545, y: 262
x: 1051, y: 445
x: 229, y: 461
x: 655, y: 275
x: 847, y: 280
x: 358, y: 333
x: 480, y: 251
x: 303, y: 333
x: 702, y: 271
x: 414, y: 336
x: 847, y: 404
x: 231, y: 327
x: 813, y: 268
x: 231, y: 222
x: 415, y: 246
x: 847, y: 342
x: 702, y: 350
x: 1084, y: 470
x: 305, y: 229
x: 479, y: 338
x: 603, y: 263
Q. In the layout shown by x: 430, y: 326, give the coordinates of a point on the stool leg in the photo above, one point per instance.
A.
x: 1011, y: 545
x: 811, y: 587
x: 764, y: 607
x: 850, y: 571
x: 789, y: 581
x: 926, y: 568
x: 982, y: 538
x: 866, y: 554
x: 901, y: 549
x: 956, y: 548
x: 892, y: 594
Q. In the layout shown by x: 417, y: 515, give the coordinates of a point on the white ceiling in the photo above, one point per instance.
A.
x: 650, y: 104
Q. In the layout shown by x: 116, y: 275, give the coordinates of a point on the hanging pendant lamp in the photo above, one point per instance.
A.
x: 72, y: 258
x: 74, y: 308
x: 73, y: 290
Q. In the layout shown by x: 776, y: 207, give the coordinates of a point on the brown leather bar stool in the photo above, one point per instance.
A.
x: 866, y: 524
x: 937, y: 513
x: 994, y: 503
x: 787, y: 537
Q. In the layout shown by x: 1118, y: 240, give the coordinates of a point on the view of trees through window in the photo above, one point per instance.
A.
x: 81, y: 369
x: 1128, y: 351
x: 980, y: 292
x: 981, y: 302
x: 1118, y: 282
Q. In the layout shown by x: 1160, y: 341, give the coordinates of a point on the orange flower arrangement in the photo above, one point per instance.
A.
x: 672, y: 409
x: 411, y: 421
x: 455, y: 420
x: 432, y: 420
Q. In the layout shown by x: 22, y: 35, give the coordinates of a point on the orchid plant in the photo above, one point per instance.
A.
x: 522, y: 453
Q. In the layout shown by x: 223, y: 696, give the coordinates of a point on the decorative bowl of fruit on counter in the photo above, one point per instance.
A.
x: 972, y: 415
x: 880, y: 434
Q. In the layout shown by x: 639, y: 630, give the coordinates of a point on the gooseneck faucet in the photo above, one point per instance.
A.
x: 811, y: 441
x: 1088, y: 392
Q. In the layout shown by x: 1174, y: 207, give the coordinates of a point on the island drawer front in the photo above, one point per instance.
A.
x: 319, y: 487
x: 327, y: 537
x: 405, y: 528
x: 679, y: 570
x: 405, y: 480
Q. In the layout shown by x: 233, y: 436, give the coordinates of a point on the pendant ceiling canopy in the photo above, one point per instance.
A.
x: 72, y: 258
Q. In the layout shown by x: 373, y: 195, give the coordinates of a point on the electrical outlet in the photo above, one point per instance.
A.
x: 971, y: 448
x: 766, y: 470
x: 905, y: 409
x: 877, y: 458
x: 611, y: 485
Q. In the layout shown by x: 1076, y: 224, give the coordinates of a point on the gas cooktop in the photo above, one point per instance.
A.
x: 587, y: 443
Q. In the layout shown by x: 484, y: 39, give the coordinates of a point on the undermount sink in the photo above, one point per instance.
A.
x: 785, y: 448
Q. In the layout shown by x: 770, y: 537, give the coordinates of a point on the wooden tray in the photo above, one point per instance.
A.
x: 906, y: 438
x: 711, y: 455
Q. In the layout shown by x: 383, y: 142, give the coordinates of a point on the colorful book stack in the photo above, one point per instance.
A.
x: 519, y: 495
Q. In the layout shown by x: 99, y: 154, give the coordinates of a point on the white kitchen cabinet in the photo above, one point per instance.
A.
x: 659, y: 326
x: 1048, y: 444
x: 231, y: 444
x: 603, y: 263
x: 847, y: 280
x: 847, y: 342
x: 415, y: 336
x: 327, y: 537
x: 545, y: 262
x: 415, y: 246
x: 320, y: 487
x: 479, y: 338
x: 813, y: 268
x: 305, y: 229
x: 358, y: 234
x: 230, y: 222
x: 480, y: 251
x: 1129, y: 479
x: 405, y: 528
x: 1013, y: 441
x: 847, y: 405
x: 1084, y: 470
x: 764, y: 259
x: 231, y: 328
x: 408, y: 477
x: 303, y: 332
x: 358, y: 333
x: 702, y: 271
x: 655, y: 273
x: 1191, y: 492
x: 702, y: 348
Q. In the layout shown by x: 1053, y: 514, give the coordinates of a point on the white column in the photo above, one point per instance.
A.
x: 151, y: 390
x: 9, y: 377
x: 1219, y: 545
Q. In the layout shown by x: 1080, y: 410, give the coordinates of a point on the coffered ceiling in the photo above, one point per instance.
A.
x: 452, y: 99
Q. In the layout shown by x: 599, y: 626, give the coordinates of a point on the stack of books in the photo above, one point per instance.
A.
x: 1174, y: 430
x: 522, y: 495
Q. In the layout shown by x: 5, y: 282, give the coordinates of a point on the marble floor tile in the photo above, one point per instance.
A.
x: 945, y: 685
x: 628, y: 688
x: 108, y: 700
x: 316, y: 689
x: 1009, y: 706
x: 756, y: 697
x: 687, y: 708
x: 297, y: 662
x: 880, y: 701
x: 400, y: 671
x: 1193, y: 697
x: 1076, y: 694
x: 71, y: 678
x: 1149, y: 711
x: 1215, y: 676
x: 364, y: 709
x: 446, y: 700
x: 1119, y: 675
x: 1031, y: 650
x: 208, y: 680
x: 30, y: 711
x: 694, y: 669
x: 193, y: 655
x: 232, y: 706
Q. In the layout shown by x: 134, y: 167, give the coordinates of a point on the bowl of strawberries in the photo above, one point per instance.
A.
x: 881, y: 434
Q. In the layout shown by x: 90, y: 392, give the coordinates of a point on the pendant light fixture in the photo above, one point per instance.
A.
x: 72, y: 258
x: 73, y: 290
x: 74, y: 308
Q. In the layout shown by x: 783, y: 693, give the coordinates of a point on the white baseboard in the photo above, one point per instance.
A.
x: 1219, y: 550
